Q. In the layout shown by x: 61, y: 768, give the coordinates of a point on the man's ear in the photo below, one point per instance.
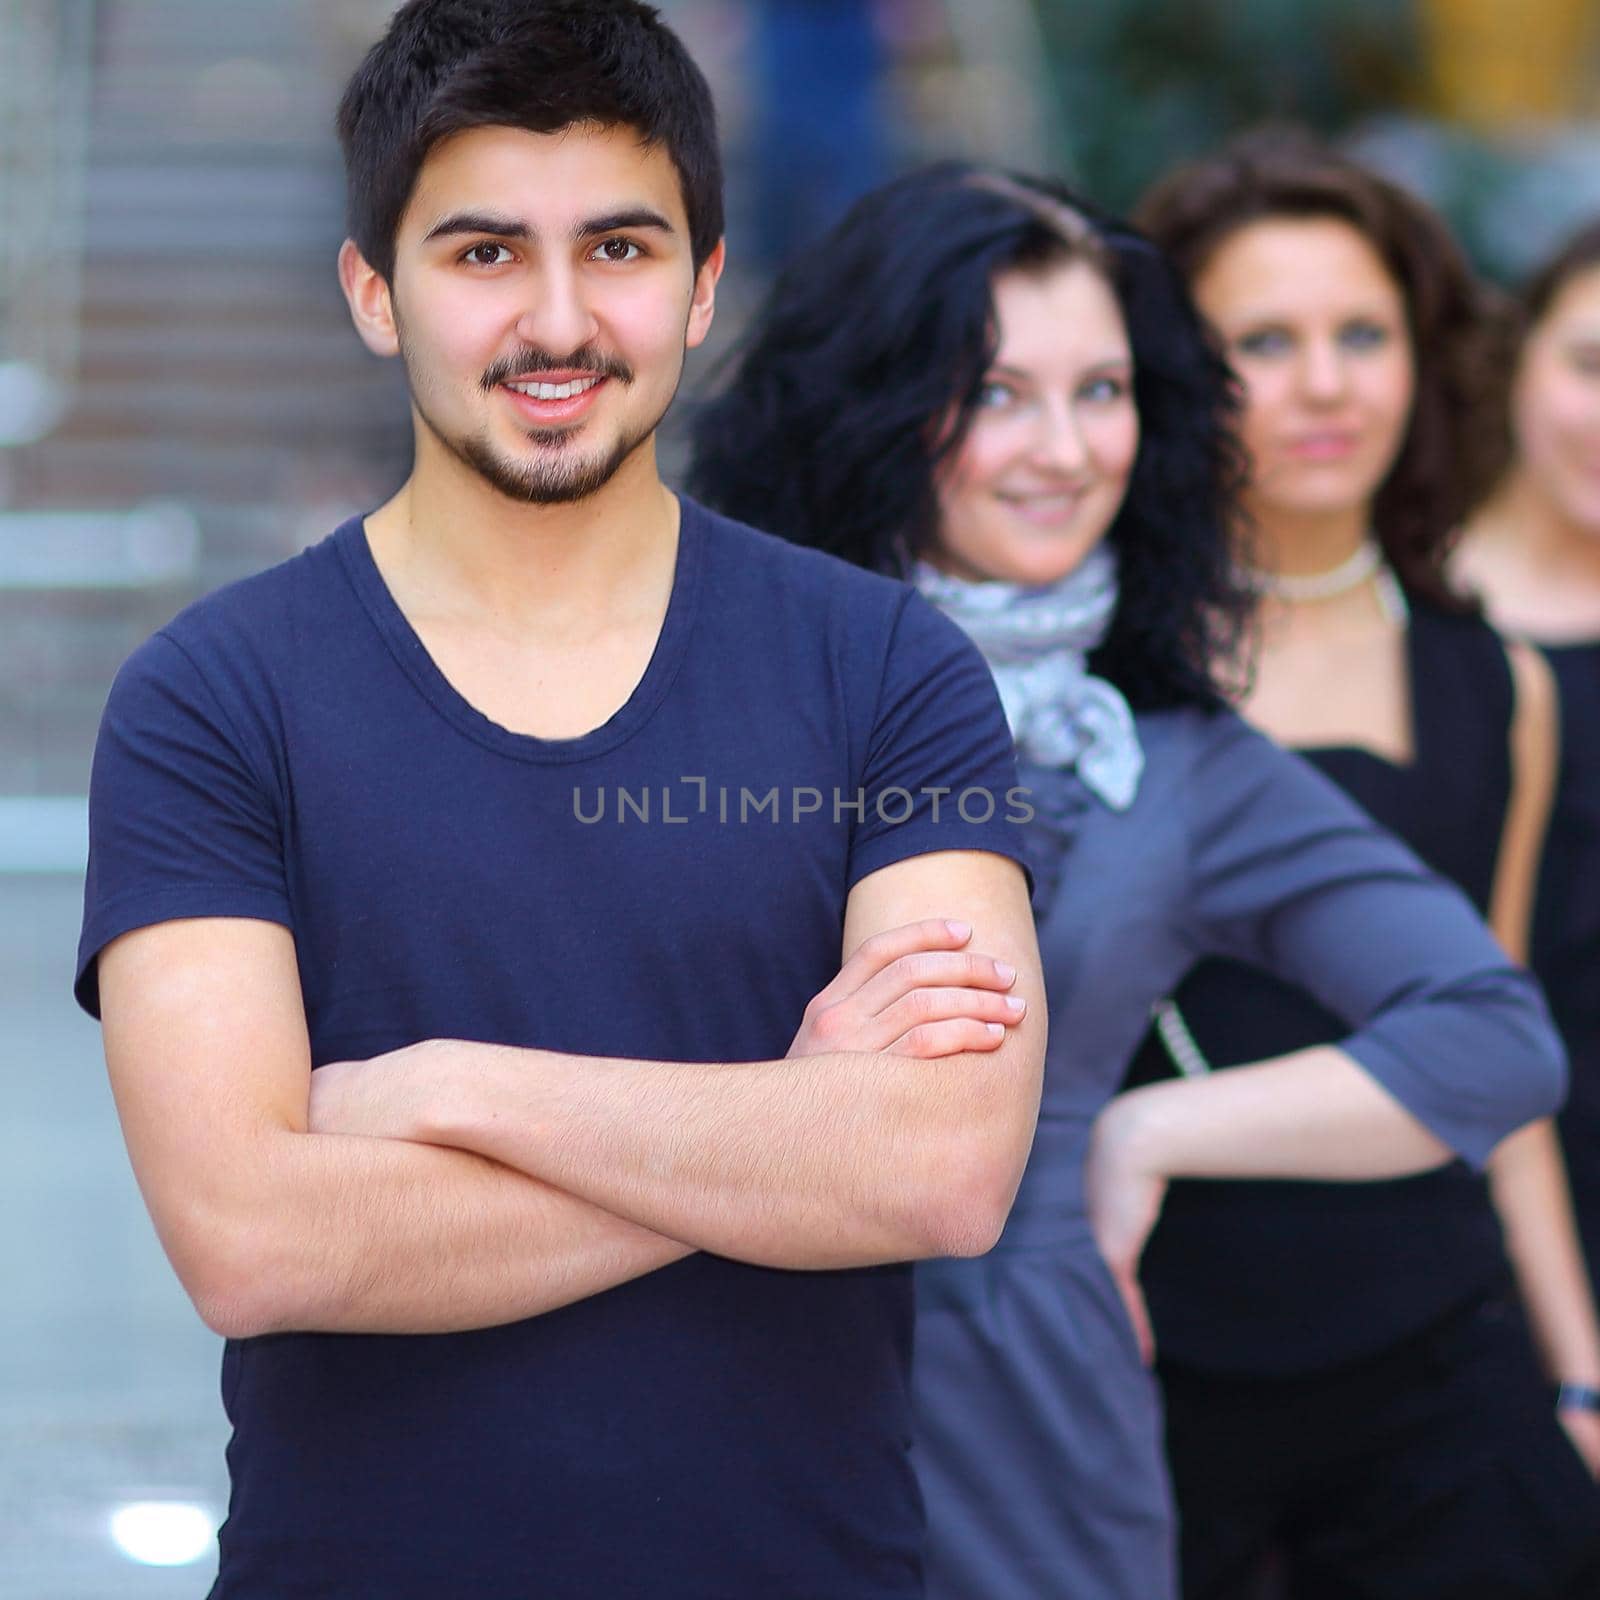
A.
x: 704, y: 305
x: 370, y: 301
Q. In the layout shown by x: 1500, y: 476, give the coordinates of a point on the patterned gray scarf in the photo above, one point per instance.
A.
x: 1037, y: 642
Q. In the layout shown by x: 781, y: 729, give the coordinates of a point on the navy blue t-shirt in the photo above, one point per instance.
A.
x: 669, y: 886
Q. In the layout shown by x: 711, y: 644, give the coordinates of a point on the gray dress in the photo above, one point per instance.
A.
x: 1039, y: 1430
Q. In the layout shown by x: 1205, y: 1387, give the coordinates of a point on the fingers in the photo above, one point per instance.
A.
x: 1138, y: 1314
x: 915, y: 991
x: 929, y: 1041
x: 872, y: 955
x: 937, y: 1022
x: 932, y: 970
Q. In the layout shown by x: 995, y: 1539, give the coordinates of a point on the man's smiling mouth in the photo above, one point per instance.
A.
x: 556, y: 391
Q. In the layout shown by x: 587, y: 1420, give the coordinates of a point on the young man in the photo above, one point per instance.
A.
x: 562, y: 797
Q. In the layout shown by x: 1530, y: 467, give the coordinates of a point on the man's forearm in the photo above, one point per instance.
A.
x: 830, y: 1160
x: 382, y: 1236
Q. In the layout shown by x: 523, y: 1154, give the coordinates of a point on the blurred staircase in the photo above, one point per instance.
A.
x: 216, y: 364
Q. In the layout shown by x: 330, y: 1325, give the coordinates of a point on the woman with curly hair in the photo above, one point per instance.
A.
x: 981, y: 384
x: 1534, y: 554
x: 1347, y: 1371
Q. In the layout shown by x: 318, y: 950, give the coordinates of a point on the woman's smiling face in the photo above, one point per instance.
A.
x: 1045, y: 464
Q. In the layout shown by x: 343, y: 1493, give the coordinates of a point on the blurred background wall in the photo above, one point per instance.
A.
x: 182, y: 401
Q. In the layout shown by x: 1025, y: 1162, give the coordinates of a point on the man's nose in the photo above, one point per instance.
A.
x: 557, y: 318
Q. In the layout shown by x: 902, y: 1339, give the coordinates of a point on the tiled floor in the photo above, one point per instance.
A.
x: 108, y: 1380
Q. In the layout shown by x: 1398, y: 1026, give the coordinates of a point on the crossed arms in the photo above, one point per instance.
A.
x: 846, y: 1153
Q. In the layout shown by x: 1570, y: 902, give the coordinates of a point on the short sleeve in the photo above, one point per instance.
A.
x: 181, y: 823
x: 1289, y: 874
x: 940, y: 770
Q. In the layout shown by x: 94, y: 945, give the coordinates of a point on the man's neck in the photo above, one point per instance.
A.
x: 451, y: 545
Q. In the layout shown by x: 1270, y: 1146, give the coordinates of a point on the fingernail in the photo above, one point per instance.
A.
x: 996, y: 1029
x: 959, y: 930
x: 1016, y: 1002
x: 1004, y: 971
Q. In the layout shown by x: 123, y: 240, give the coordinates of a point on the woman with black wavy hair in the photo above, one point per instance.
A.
x: 982, y: 384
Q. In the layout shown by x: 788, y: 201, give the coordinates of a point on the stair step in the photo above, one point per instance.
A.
x: 299, y: 352
x: 68, y: 470
x: 137, y: 35
x: 215, y: 192
x: 122, y: 284
x: 113, y: 407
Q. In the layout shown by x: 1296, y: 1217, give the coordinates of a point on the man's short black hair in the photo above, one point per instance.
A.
x: 445, y: 66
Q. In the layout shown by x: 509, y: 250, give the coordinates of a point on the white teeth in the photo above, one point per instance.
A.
x: 554, y: 391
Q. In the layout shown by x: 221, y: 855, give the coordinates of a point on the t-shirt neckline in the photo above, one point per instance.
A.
x: 350, y: 540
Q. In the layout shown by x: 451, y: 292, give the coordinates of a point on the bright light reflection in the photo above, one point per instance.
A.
x: 163, y: 1533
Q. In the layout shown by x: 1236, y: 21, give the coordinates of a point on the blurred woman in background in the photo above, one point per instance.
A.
x: 979, y: 383
x: 1533, y: 553
x: 1347, y: 1376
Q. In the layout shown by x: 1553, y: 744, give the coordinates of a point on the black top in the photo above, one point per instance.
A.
x: 1273, y: 1278
x: 1566, y: 937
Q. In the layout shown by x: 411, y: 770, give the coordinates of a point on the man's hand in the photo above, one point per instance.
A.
x: 1124, y: 1197
x: 838, y: 1158
x: 913, y: 991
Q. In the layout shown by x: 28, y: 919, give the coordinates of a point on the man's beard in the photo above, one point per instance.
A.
x: 562, y: 474
x: 564, y: 471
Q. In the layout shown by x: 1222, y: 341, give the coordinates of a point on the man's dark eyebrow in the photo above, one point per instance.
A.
x: 479, y: 222
x: 502, y: 227
x: 617, y: 221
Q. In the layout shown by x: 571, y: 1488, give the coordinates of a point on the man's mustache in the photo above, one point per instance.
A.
x: 529, y: 363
